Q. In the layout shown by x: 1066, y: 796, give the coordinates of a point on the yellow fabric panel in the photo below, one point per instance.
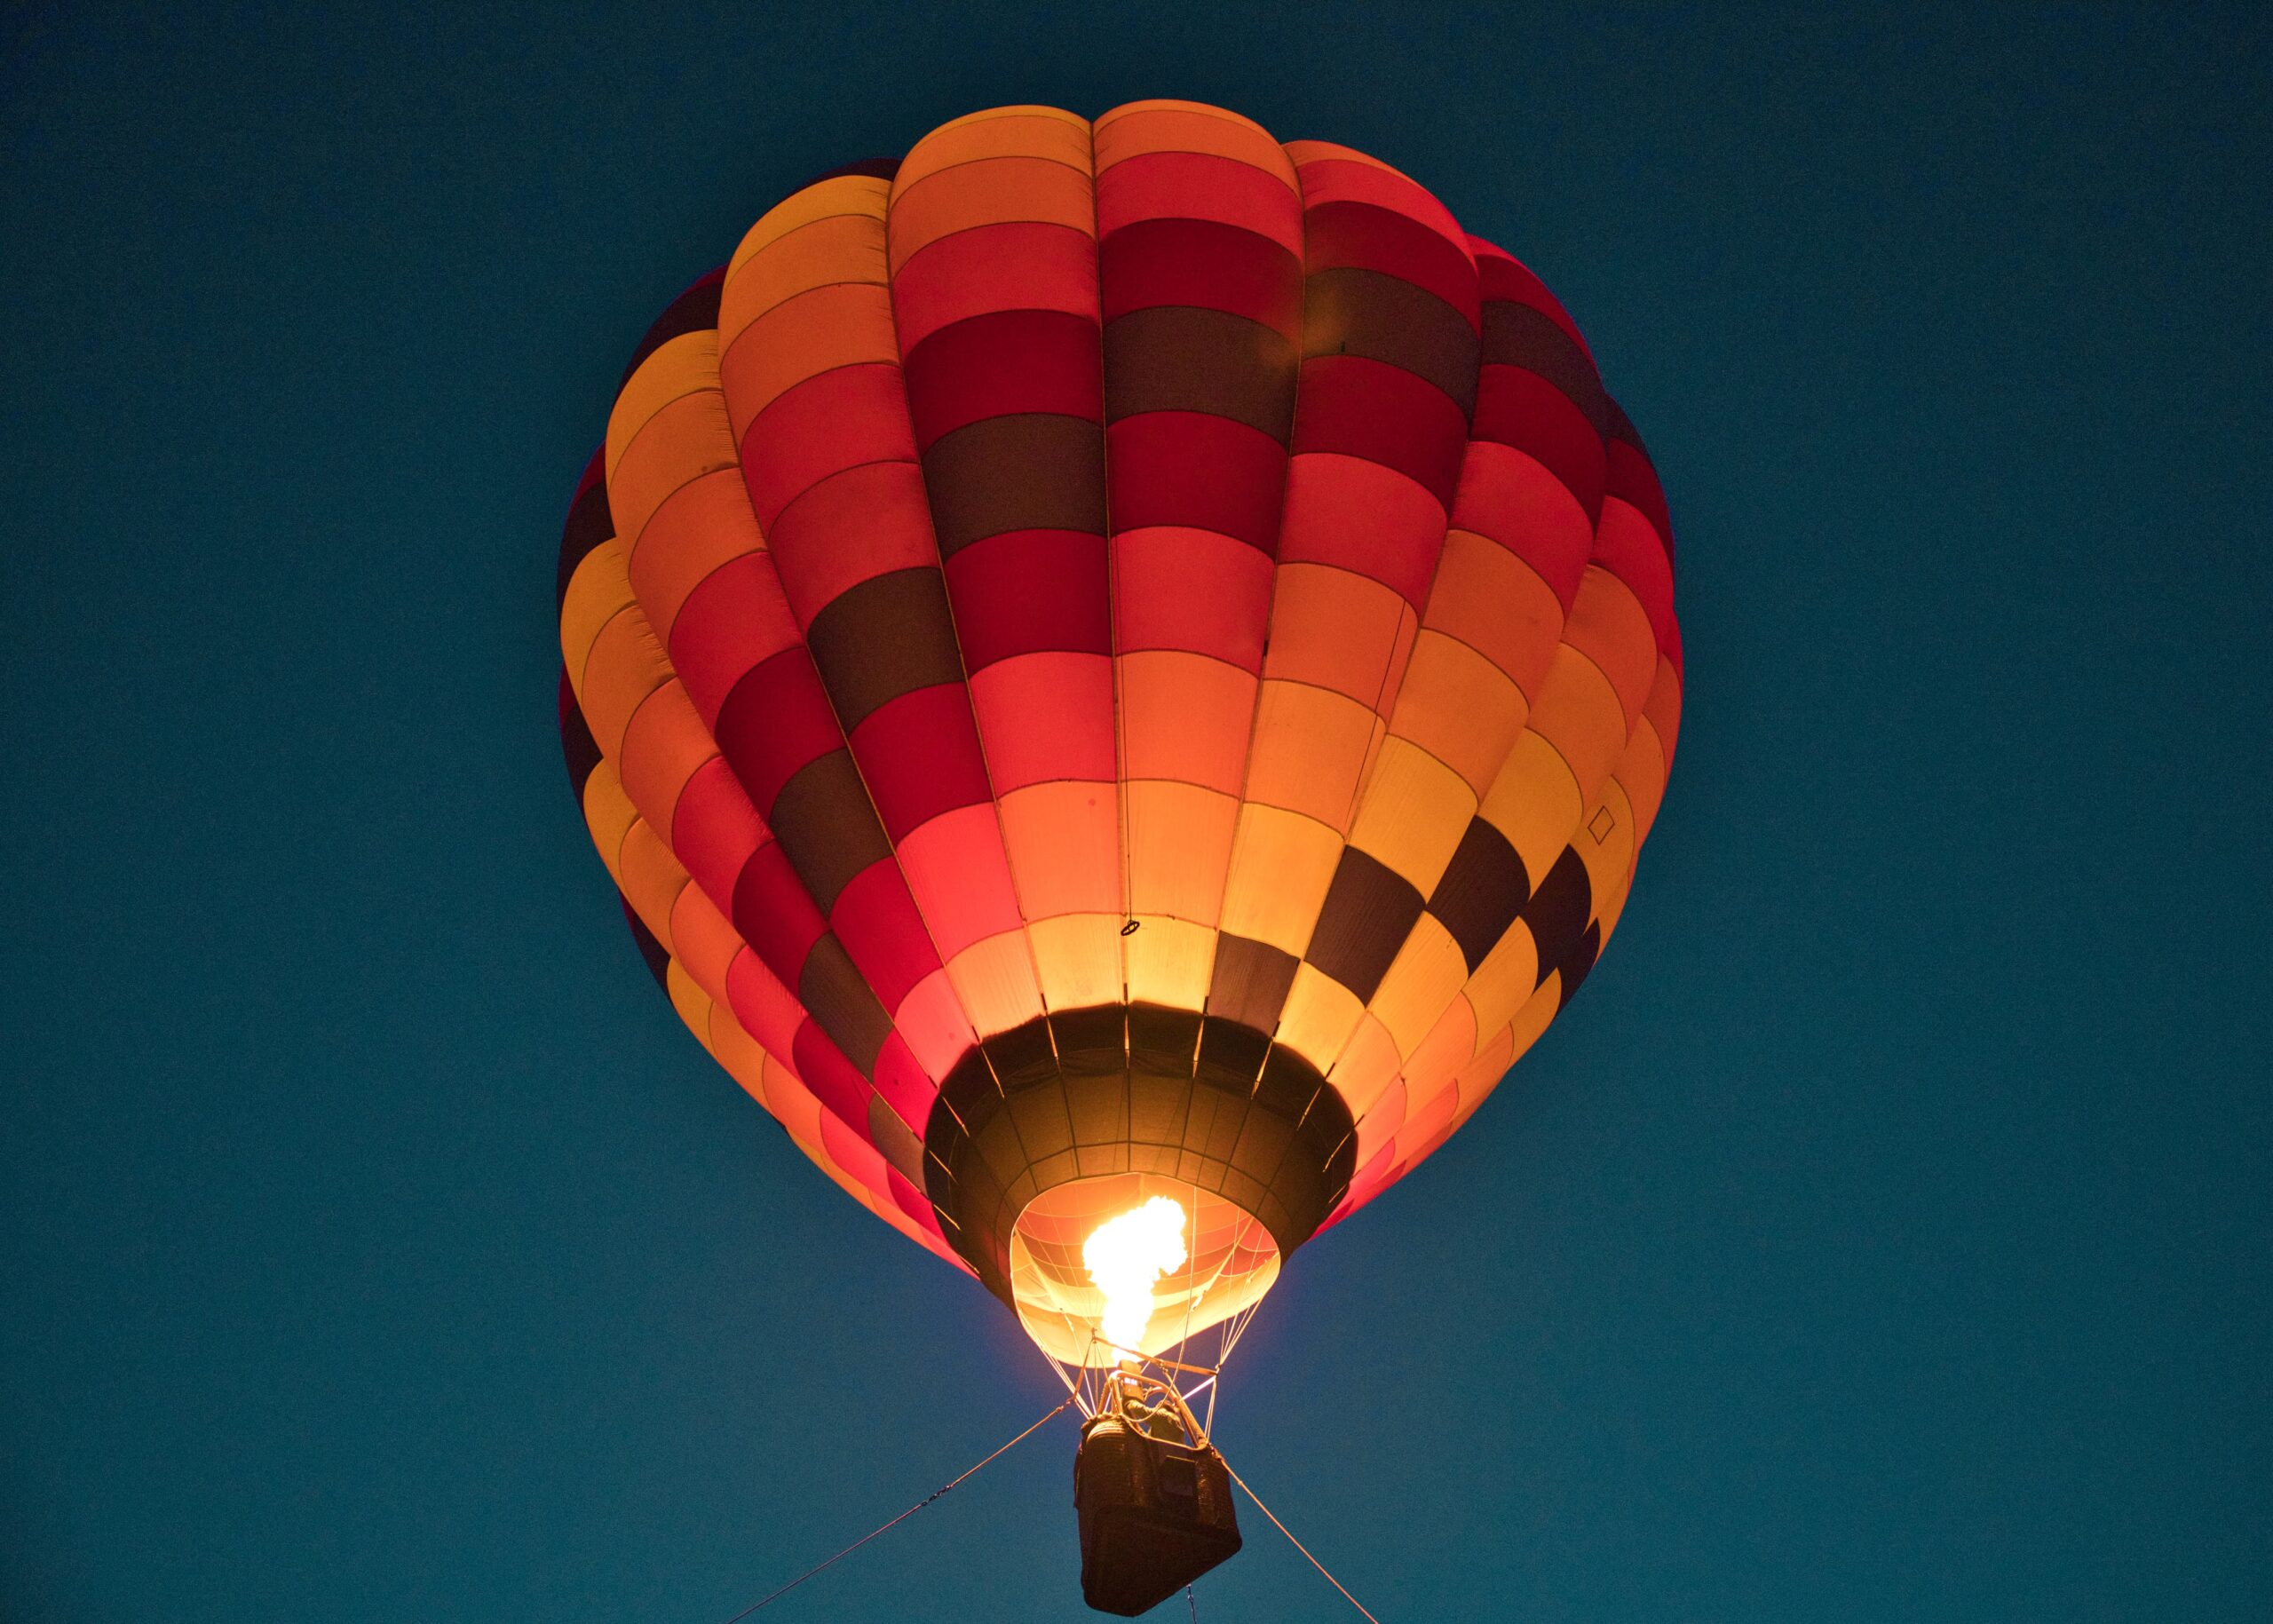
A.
x: 1333, y: 629
x: 1139, y: 127
x: 1579, y: 714
x: 1079, y: 958
x: 1413, y: 813
x: 1495, y: 1053
x: 1367, y: 1065
x: 998, y: 133
x: 1282, y: 865
x: 651, y: 878
x: 703, y: 524
x: 1425, y: 975
x: 599, y: 592
x: 624, y: 666
x: 1046, y: 190
x: 678, y: 367
x: 665, y: 745
x: 993, y: 978
x: 686, y: 440
x: 1503, y: 984
x: 823, y: 199
x: 1534, y: 802
x: 608, y: 813
x: 1064, y: 838
x: 1459, y: 707
x: 1610, y: 862
x: 1179, y: 849
x: 1609, y: 627
x: 1641, y: 774
x: 1185, y: 716
x: 1664, y: 708
x: 836, y: 324
x: 1310, y: 748
x: 1496, y: 604
x: 846, y: 247
x: 1168, y: 961
x: 691, y: 1002
x: 1319, y: 1016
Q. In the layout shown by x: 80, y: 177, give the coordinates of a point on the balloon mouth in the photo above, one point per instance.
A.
x: 1230, y: 1261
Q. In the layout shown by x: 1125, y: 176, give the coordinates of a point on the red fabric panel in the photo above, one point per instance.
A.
x: 1046, y: 716
x: 1030, y: 590
x: 850, y: 528
x: 823, y: 1068
x: 920, y: 755
x: 958, y: 862
x: 906, y: 1087
x: 1195, y: 469
x: 1356, y: 514
x: 1199, y: 186
x: 714, y: 827
x: 837, y: 420
x: 1338, y: 175
x: 765, y: 1008
x: 1011, y: 361
x: 876, y: 920
x: 1365, y: 237
x: 1511, y: 498
x: 1369, y: 408
x: 1204, y: 263
x: 1520, y: 408
x: 1502, y: 276
x: 1628, y: 548
x: 1633, y: 478
x: 1193, y: 589
x: 738, y: 617
x: 775, y: 721
x: 773, y: 914
x: 1018, y: 265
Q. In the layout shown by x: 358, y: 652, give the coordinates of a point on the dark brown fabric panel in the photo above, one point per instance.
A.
x: 895, y: 1140
x: 1557, y: 912
x: 1026, y: 472
x: 1251, y: 981
x: 1177, y: 358
x: 888, y: 636
x: 589, y: 522
x: 827, y: 826
x: 1369, y: 912
x: 1518, y: 336
x: 843, y: 1005
x: 1485, y: 887
x: 1351, y: 312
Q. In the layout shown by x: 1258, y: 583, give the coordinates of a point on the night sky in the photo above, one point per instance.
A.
x: 1884, y: 1233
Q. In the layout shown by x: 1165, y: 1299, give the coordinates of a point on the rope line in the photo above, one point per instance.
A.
x: 926, y: 1501
x: 1297, y: 1543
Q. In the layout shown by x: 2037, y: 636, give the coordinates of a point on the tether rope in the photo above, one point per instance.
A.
x: 926, y: 1501
x: 1297, y: 1543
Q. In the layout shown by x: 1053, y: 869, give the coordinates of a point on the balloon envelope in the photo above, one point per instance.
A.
x: 1112, y: 659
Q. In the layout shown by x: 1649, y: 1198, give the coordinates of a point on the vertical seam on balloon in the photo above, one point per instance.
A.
x: 1112, y: 596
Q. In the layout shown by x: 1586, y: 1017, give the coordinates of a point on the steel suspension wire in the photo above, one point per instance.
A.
x: 918, y: 1506
x: 1297, y: 1543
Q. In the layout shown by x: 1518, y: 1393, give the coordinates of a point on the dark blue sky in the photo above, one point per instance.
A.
x: 1884, y: 1235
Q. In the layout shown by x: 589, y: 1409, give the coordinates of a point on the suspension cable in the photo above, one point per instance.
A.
x: 926, y: 1501
x: 1297, y: 1543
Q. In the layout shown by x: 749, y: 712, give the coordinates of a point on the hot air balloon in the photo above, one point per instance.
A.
x: 1119, y: 666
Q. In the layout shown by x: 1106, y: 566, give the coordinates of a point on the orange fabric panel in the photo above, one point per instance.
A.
x: 1496, y: 604
x: 1014, y: 187
x: 1310, y: 748
x: 704, y: 941
x: 834, y: 324
x: 1459, y: 707
x: 1018, y: 131
x: 842, y: 246
x: 1064, y: 845
x: 1412, y: 814
x: 625, y: 665
x: 1185, y: 717
x: 1137, y: 127
x: 704, y: 523
x: 1577, y: 713
x: 1609, y: 626
x: 1333, y: 629
x: 686, y: 440
x: 686, y: 365
x: 664, y: 746
x: 597, y: 592
x: 1179, y: 849
x: 1281, y: 864
x: 651, y: 878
